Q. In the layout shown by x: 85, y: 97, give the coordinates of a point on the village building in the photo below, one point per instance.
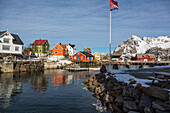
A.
x: 96, y: 56
x: 60, y: 50
x: 145, y: 57
x: 10, y: 44
x: 40, y: 47
x: 71, y: 49
x: 87, y: 50
x: 83, y: 56
x: 27, y: 51
x: 116, y: 58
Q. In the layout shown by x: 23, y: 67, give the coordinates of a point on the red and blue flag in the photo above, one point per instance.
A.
x: 113, y: 5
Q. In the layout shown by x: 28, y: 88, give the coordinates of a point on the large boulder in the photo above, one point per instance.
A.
x: 130, y: 105
x: 145, y: 101
x: 156, y: 92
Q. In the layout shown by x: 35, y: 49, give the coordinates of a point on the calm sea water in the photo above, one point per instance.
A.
x: 51, y: 91
x: 56, y: 91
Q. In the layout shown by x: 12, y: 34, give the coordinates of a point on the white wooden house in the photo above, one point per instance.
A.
x: 71, y: 49
x: 10, y: 43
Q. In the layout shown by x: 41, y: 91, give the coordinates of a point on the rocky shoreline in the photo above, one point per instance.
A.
x: 120, y: 97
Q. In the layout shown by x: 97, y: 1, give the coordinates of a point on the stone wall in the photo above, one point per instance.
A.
x: 120, y: 97
x: 50, y: 65
x: 6, y: 66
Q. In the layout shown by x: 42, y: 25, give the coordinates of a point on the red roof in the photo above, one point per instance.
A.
x: 39, y: 42
x: 63, y: 46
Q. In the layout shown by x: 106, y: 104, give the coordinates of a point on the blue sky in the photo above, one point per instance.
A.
x: 84, y: 22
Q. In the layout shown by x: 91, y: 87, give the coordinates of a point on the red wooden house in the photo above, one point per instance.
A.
x: 83, y: 56
x: 145, y: 57
x: 27, y: 51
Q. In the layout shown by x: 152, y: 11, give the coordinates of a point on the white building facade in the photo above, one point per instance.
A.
x: 10, y: 43
x: 71, y: 49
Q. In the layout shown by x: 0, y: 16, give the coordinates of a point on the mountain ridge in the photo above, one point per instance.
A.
x: 136, y: 45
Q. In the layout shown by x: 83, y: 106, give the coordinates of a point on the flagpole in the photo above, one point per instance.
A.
x: 110, y: 44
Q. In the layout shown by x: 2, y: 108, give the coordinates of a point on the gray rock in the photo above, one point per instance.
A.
x: 136, y: 93
x: 160, y: 105
x: 119, y: 99
x: 145, y: 101
x: 133, y: 112
x: 159, y: 111
x: 148, y: 110
x: 127, y: 91
x: 156, y: 92
x: 131, y: 105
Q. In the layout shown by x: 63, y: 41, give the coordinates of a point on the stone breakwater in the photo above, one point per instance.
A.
x: 120, y: 97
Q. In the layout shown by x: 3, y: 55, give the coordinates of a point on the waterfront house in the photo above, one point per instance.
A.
x: 40, y: 47
x: 139, y: 57
x: 71, y: 49
x: 146, y: 57
x: 149, y: 57
x: 96, y: 56
x: 87, y: 50
x: 60, y: 50
x: 83, y: 56
x: 116, y: 57
x: 10, y: 43
x: 27, y: 51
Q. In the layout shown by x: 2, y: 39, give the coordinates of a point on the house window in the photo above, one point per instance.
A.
x: 39, y: 45
x: 78, y: 53
x: 40, y: 50
x: 16, y: 48
x: 55, y: 47
x: 5, y: 47
x: 87, y: 58
x: 59, y: 51
x: 81, y: 57
x: 6, y: 40
x: 59, y: 47
x: 56, y: 52
x: 75, y: 57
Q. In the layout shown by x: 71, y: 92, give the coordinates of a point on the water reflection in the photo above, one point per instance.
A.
x: 13, y: 85
x: 8, y: 87
x: 60, y: 79
x: 39, y: 83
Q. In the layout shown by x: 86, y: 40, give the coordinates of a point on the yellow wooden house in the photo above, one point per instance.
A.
x: 96, y: 56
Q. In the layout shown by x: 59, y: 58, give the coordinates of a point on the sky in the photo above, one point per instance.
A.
x: 84, y: 23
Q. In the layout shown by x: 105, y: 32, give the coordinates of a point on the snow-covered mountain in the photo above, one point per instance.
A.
x: 137, y: 45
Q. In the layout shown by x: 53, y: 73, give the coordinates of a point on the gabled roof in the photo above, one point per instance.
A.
x: 39, y: 42
x: 16, y: 39
x: 87, y: 54
x: 152, y: 55
x: 139, y: 55
x: 2, y: 32
x: 63, y: 46
x: 72, y: 45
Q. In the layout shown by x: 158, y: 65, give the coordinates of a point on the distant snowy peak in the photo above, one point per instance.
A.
x: 134, y: 44
x: 160, y: 42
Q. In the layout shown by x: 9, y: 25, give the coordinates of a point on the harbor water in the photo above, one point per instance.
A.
x: 59, y: 91
x: 51, y: 91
